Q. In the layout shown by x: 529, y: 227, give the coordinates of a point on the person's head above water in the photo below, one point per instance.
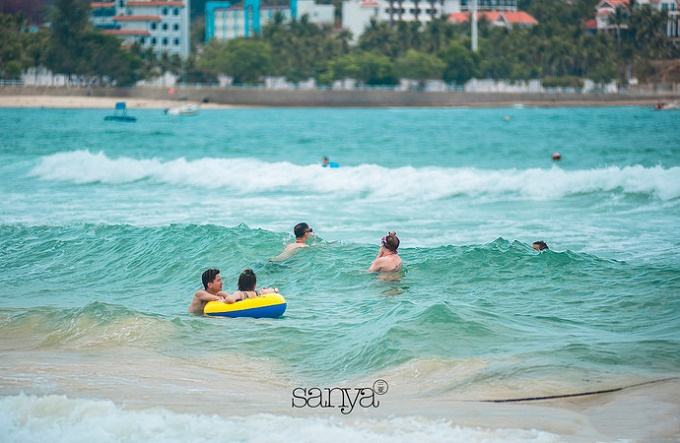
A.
x: 324, y: 161
x: 302, y: 231
x: 212, y: 282
x: 390, y: 242
x: 247, y: 280
x: 539, y: 245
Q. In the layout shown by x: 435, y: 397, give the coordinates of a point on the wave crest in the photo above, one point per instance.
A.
x: 247, y: 175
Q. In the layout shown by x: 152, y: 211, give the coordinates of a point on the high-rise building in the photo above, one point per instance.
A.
x: 162, y: 25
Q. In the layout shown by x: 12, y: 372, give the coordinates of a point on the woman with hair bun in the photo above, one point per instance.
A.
x: 246, y: 286
x: 388, y: 259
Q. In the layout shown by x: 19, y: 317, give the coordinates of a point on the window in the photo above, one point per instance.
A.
x: 176, y: 42
x: 165, y: 42
x: 175, y: 26
x: 165, y: 11
x: 121, y: 4
x: 165, y: 26
x: 153, y: 26
x: 142, y: 41
x: 153, y: 41
x: 176, y: 11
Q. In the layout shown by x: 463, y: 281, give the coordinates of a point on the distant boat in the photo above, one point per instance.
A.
x: 183, y: 110
x: 120, y: 114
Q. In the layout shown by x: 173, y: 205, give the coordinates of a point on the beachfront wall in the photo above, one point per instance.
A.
x: 162, y: 25
x: 357, y: 98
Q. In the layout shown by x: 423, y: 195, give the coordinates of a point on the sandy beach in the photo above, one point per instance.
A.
x: 82, y: 102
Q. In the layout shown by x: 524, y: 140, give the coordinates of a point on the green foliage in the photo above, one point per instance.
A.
x: 460, y: 63
x: 421, y: 66
x: 558, y: 50
x: 74, y: 48
x: 244, y: 59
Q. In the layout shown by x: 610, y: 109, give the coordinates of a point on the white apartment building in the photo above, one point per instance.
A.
x: 162, y: 25
x: 357, y: 14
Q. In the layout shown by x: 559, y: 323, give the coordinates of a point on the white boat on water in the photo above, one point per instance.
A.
x: 190, y: 109
x: 667, y: 106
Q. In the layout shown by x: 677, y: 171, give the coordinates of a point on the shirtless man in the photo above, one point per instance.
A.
x: 212, y: 282
x: 302, y: 233
x: 388, y: 259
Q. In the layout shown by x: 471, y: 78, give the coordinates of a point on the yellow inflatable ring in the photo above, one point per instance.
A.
x: 263, y: 306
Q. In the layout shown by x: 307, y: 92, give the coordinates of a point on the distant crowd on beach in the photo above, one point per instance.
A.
x: 386, y: 261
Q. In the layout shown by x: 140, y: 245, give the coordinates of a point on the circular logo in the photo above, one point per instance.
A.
x: 380, y: 387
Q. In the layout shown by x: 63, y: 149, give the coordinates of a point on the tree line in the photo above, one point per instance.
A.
x: 559, y: 50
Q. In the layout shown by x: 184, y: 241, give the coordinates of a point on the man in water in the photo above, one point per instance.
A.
x: 212, y: 284
x: 302, y: 233
x: 388, y: 259
x: 539, y: 245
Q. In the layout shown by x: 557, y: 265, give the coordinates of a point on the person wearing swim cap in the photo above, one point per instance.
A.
x: 303, y: 232
x: 388, y: 259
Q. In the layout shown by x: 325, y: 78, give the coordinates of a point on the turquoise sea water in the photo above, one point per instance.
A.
x: 105, y: 229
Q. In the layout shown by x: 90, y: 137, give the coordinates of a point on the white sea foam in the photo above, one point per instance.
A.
x: 247, y: 176
x: 57, y: 419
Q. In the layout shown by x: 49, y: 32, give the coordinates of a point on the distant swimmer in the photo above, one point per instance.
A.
x: 326, y: 163
x: 388, y: 259
x: 212, y: 284
x: 556, y: 156
x: 539, y: 245
x: 302, y: 233
x: 246, y: 286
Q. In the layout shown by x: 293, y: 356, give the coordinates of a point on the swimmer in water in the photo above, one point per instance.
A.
x: 539, y: 245
x: 212, y: 284
x: 246, y: 286
x: 302, y: 233
x: 388, y: 259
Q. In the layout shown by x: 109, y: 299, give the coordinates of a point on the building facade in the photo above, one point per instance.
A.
x: 357, y: 14
x: 162, y: 25
x: 606, y: 12
x: 225, y: 21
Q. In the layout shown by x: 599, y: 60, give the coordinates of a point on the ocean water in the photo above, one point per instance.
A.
x: 105, y: 229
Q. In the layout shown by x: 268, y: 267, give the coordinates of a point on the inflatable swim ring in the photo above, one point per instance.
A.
x: 264, y: 306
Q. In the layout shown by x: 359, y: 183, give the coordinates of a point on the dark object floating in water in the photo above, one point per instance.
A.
x: 120, y: 114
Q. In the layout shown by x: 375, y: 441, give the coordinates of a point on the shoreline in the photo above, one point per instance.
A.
x: 84, y: 102
x: 216, y: 98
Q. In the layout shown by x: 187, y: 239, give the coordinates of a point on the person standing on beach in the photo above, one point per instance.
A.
x: 388, y: 259
x: 302, y: 233
x: 212, y: 284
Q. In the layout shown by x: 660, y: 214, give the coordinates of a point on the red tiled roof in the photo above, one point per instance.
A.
x: 141, y: 3
x: 614, y: 3
x: 137, y: 18
x: 520, y: 18
x: 459, y: 17
x: 512, y: 17
x: 126, y: 32
x: 591, y: 24
x: 97, y: 5
x: 369, y: 4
